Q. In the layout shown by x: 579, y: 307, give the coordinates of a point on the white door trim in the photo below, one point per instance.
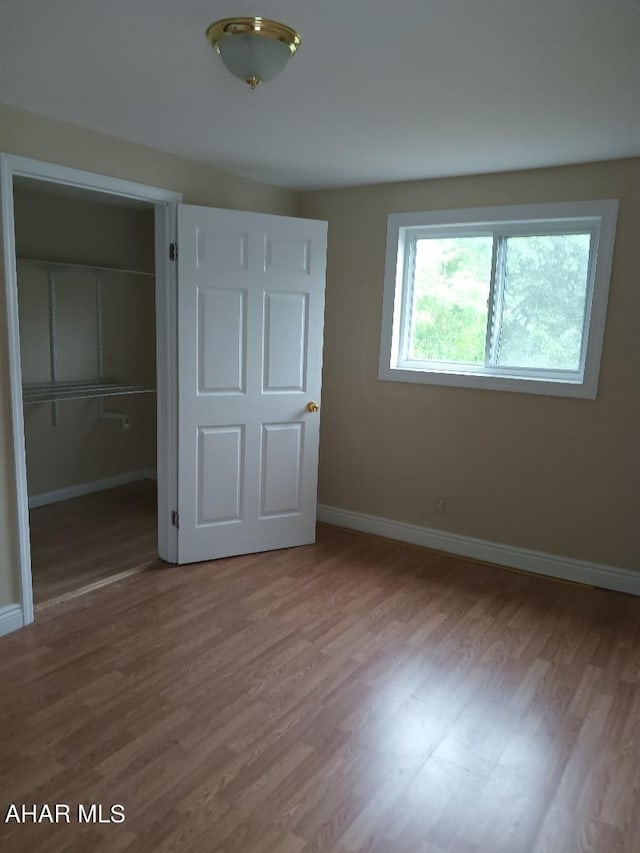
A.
x: 167, y: 379
x: 164, y: 201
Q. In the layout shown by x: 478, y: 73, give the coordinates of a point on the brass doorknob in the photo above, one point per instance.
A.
x: 313, y: 407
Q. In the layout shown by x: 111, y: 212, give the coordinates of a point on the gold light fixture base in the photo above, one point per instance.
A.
x: 253, y: 26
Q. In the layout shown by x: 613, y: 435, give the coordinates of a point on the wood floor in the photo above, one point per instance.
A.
x: 355, y: 695
x: 85, y: 541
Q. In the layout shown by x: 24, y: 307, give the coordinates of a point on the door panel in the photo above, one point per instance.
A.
x: 283, y: 254
x: 220, y: 455
x: 282, y: 467
x: 222, y: 249
x: 285, y: 341
x: 222, y: 341
x: 250, y: 312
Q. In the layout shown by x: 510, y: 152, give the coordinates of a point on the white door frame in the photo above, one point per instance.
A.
x: 164, y: 202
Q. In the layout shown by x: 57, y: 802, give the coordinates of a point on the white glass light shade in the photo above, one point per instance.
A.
x: 252, y: 56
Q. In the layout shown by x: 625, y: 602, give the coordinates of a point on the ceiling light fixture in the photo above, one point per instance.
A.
x: 254, y: 49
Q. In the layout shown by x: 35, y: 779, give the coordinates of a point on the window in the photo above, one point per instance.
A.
x: 510, y: 298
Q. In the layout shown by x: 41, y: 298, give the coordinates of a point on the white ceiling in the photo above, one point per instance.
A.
x: 380, y: 89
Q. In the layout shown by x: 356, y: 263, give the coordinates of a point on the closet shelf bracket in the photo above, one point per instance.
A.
x: 125, y: 423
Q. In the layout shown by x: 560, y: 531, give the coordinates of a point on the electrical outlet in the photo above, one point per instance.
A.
x: 440, y: 505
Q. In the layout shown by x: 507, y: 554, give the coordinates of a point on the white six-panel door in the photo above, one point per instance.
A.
x: 250, y: 321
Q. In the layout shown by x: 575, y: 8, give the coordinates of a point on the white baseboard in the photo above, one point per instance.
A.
x: 565, y: 568
x: 80, y: 489
x: 10, y: 619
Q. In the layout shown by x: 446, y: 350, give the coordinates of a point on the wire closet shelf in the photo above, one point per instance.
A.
x: 57, y: 390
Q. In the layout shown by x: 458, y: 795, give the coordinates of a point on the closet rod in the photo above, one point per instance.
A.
x: 43, y: 263
x: 47, y: 393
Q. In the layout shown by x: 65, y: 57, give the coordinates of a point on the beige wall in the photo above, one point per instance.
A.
x: 544, y: 473
x: 80, y: 447
x: 62, y: 228
x: 31, y: 135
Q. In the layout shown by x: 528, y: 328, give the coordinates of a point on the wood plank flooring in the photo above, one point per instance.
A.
x: 354, y: 695
x: 83, y: 542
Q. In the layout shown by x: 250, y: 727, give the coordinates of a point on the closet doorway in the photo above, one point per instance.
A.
x: 86, y: 300
x: 90, y: 297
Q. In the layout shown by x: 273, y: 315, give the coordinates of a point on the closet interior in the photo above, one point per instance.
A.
x: 86, y: 298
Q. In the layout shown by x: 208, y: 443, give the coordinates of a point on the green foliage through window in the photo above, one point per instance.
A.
x: 537, y: 304
x: 450, y: 296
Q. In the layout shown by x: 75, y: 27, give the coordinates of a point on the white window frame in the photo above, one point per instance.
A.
x: 596, y: 217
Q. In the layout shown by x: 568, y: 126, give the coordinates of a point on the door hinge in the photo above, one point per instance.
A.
x: 173, y: 251
x: 175, y: 519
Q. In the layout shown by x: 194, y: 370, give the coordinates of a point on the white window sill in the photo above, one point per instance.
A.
x: 564, y: 387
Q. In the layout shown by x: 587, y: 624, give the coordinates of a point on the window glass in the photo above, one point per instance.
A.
x: 540, y: 317
x: 449, y: 314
